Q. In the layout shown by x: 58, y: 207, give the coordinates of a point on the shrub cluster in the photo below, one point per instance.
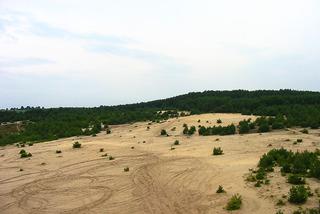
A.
x: 24, y: 154
x: 76, y: 145
x: 188, y: 131
x: 298, y: 194
x: 304, y: 163
x: 217, y: 130
x: 163, y: 132
x: 245, y: 126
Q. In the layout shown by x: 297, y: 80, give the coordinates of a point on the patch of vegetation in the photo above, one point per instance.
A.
x: 304, y: 131
x: 111, y: 158
x: 234, y: 202
x: 24, y: 154
x: 30, y: 144
x: 188, y: 131
x: 217, y: 151
x: 217, y: 130
x: 126, y: 169
x: 220, y: 189
x: 163, y: 132
x: 298, y: 194
x: 58, y: 151
x: 296, y: 179
x: 219, y: 121
x: 101, y: 150
x: 280, y: 202
x: 176, y: 142
x: 76, y: 145
x: 299, y: 140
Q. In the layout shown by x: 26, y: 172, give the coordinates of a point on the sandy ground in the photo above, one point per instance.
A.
x: 160, y: 180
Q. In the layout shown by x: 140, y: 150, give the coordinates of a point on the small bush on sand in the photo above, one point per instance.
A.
x: 298, y: 194
x: 304, y: 131
x: 176, y: 142
x: 299, y: 140
x: 76, y: 145
x: 219, y: 121
x: 101, y: 150
x: 258, y: 183
x: 163, y: 132
x: 126, y: 169
x: 217, y: 151
x: 58, y: 151
x: 111, y: 158
x: 30, y: 144
x: 24, y: 154
x: 234, y: 202
x: 220, y: 189
x: 296, y: 179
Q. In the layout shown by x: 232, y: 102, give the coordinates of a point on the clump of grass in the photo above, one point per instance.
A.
x: 104, y: 155
x: 217, y: 151
x: 76, y: 145
x: 111, y: 158
x: 304, y: 131
x: 101, y: 150
x: 30, y: 144
x: 20, y: 169
x: 258, y: 184
x: 176, y: 143
x: 234, y: 202
x: 220, y: 189
x: 126, y: 169
x: 219, y: 121
x: 58, y: 151
x: 132, y: 147
x: 163, y: 132
x: 299, y: 140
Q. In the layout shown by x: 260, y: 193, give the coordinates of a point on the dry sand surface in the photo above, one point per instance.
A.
x: 160, y: 180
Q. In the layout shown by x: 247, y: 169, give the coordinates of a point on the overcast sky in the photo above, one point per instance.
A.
x: 91, y: 53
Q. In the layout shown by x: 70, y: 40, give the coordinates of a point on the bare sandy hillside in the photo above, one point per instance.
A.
x: 159, y: 180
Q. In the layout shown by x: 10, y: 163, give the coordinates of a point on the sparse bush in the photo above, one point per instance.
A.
x: 234, y: 202
x: 108, y: 131
x: 258, y: 184
x: 219, y: 121
x: 30, y: 144
x: 176, y: 142
x: 101, y: 150
x: 220, y: 189
x: 126, y: 169
x: 58, y: 151
x: 76, y: 145
x: 304, y: 131
x: 299, y: 140
x: 298, y: 194
x: 296, y: 179
x: 111, y: 158
x: 217, y: 151
x: 24, y: 154
x: 279, y: 212
x: 104, y: 155
x: 163, y: 132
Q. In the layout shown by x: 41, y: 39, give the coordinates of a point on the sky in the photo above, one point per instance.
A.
x: 101, y: 52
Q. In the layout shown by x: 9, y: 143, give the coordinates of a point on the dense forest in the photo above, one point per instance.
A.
x: 299, y: 108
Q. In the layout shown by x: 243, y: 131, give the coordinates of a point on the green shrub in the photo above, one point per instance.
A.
x: 280, y: 202
x: 234, y: 202
x: 30, y: 144
x: 264, y: 127
x: 111, y: 158
x: 299, y: 140
x: 296, y: 179
x: 219, y: 121
x: 24, y: 154
x: 163, y: 132
x: 76, y: 145
x: 258, y: 183
x: 126, y: 169
x: 217, y: 151
x: 220, y: 189
x: 176, y: 142
x: 298, y: 194
x: 304, y: 131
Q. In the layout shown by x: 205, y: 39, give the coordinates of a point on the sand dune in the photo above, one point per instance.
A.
x: 160, y: 180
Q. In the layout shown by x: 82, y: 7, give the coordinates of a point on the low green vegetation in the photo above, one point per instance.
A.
x: 217, y: 151
x: 126, y: 169
x: 176, y: 142
x: 24, y: 154
x: 234, y: 202
x: 76, y: 145
x: 217, y: 130
x: 298, y: 194
x: 296, y: 179
x: 163, y: 132
x: 58, y: 151
x: 188, y: 131
x: 220, y: 189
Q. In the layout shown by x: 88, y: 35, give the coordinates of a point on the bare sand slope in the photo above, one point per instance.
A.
x: 160, y: 180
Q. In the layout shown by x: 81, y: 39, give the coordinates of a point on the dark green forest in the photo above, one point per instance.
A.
x: 299, y: 108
